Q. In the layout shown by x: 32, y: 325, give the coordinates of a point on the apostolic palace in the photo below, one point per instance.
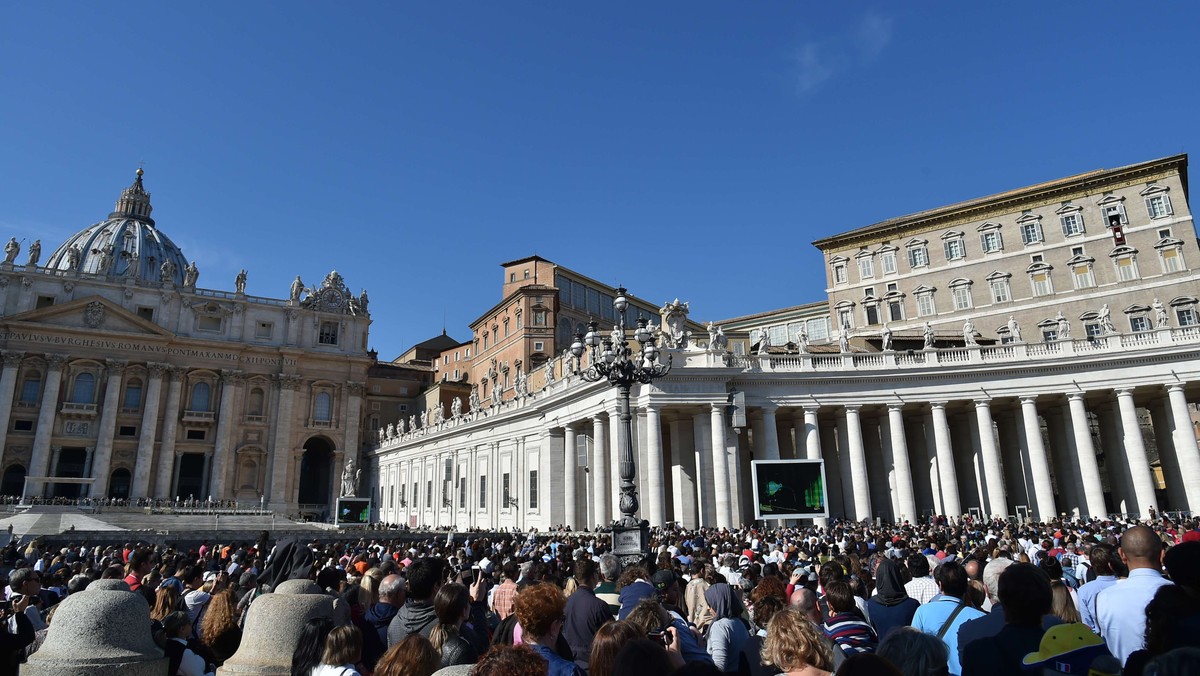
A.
x: 1031, y: 353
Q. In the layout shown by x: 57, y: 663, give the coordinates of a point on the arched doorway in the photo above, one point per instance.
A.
x: 118, y: 484
x: 13, y: 482
x: 316, y: 467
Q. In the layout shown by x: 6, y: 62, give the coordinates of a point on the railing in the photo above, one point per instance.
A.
x: 69, y: 407
x: 255, y: 419
x: 199, y: 416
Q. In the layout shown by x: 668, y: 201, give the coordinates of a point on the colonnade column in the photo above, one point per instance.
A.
x: 39, y: 460
x: 905, y: 497
x: 993, y: 474
x: 8, y: 388
x: 947, y: 476
x: 1039, y: 467
x: 1085, y: 455
x: 281, y: 452
x: 721, y: 468
x: 222, y: 450
x: 653, y: 478
x: 601, y: 490
x: 145, y: 451
x: 770, y: 440
x: 570, y: 463
x: 166, y: 450
x: 1186, y: 452
x: 683, y: 475
x: 808, y: 435
x: 858, y: 464
x: 102, y: 460
x: 1135, y: 454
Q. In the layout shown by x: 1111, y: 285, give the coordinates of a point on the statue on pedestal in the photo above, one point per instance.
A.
x: 190, y: 274
x: 1014, y: 329
x: 73, y: 257
x: 296, y: 290
x: 522, y: 384
x: 166, y: 271
x: 548, y: 372
x: 764, y: 341
x: 473, y: 402
x: 1105, y: 317
x: 1160, y: 313
x: 456, y: 407
x: 350, y: 478
x: 969, y: 333
x: 887, y: 338
x: 844, y: 341
x: 1064, y: 326
x: 497, y: 395
x: 11, y: 250
x: 35, y: 252
x: 674, y: 325
x: 928, y: 335
x: 239, y: 282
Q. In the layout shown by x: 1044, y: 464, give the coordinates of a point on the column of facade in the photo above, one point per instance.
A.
x: 8, y: 388
x: 683, y: 475
x: 808, y: 438
x: 1186, y: 453
x: 570, y: 465
x: 46, y: 416
x: 858, y: 464
x: 1135, y: 453
x: 145, y: 450
x: 223, y: 449
x: 879, y: 475
x: 993, y: 474
x: 1162, y: 424
x: 905, y: 496
x: 281, y: 453
x: 946, y: 475
x: 102, y: 462
x: 1085, y: 456
x: 601, y: 509
x: 722, y: 499
x: 770, y: 436
x: 354, y: 396
x: 615, y: 434
x: 655, y: 509
x: 706, y: 509
x: 737, y: 472
x: 1039, y: 466
x: 166, y: 451
x: 1066, y: 488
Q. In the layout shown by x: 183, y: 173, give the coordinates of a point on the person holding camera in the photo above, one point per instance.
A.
x: 17, y: 633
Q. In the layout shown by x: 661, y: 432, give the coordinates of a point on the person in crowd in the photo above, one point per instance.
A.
x: 1178, y: 662
x: 16, y: 634
x: 375, y: 620
x: 1063, y: 606
x: 749, y: 661
x: 915, y: 653
x: 1173, y: 615
x: 922, y: 586
x: 698, y: 614
x: 646, y: 657
x: 539, y: 610
x: 606, y: 590
x: 845, y: 625
x: 607, y: 643
x: 27, y: 582
x: 1101, y: 560
x: 866, y: 664
x: 418, y: 615
x: 1120, y: 609
x: 503, y: 660
x: 1072, y: 648
x: 585, y: 613
x: 311, y: 645
x: 181, y: 659
x: 452, y: 604
x: 1025, y: 593
x: 634, y: 586
x: 412, y: 656
x: 343, y: 650
x: 504, y: 595
x: 891, y: 607
x: 220, y: 631
x: 796, y: 647
x: 727, y: 632
x: 945, y: 613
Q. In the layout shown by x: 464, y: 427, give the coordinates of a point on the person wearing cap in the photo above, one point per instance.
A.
x: 1072, y: 649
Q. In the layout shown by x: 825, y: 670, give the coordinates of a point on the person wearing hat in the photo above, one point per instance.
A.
x: 1072, y: 649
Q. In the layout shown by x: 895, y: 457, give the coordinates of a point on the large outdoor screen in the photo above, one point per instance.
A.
x: 789, y: 489
x: 353, y: 512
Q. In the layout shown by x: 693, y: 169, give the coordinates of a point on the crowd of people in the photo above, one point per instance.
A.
x: 943, y: 597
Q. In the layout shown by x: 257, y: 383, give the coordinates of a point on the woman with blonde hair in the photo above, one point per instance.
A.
x: 219, y: 630
x: 795, y: 646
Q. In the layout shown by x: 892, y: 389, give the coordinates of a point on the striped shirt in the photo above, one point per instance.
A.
x: 851, y: 632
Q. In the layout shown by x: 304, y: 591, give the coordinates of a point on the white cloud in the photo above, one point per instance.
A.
x: 811, y: 68
x: 818, y: 61
x: 873, y: 35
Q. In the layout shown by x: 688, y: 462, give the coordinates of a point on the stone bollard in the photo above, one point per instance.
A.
x: 273, y: 628
x: 101, y: 631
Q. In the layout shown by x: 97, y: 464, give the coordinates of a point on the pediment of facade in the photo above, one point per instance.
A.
x: 92, y: 313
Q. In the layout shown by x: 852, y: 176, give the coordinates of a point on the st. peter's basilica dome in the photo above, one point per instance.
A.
x: 127, y: 238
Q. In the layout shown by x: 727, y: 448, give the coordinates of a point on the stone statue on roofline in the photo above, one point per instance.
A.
x: 928, y: 336
x: 35, y: 253
x: 350, y: 478
x: 1014, y: 329
x: 11, y: 250
x: 456, y: 407
x: 674, y: 325
x: 1064, y: 326
x: 887, y: 337
x: 969, y: 333
x: 1160, y: 314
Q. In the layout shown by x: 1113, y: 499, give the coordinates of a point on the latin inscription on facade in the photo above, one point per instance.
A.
x: 76, y: 428
x: 103, y: 344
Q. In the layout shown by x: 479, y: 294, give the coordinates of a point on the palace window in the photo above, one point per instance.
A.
x: 1039, y: 280
x: 925, y: 307
x: 1031, y: 233
x: 1170, y: 254
x: 1125, y: 260
x: 887, y: 261
x: 999, y: 287
x: 429, y: 494
x: 208, y: 323
x: 263, y: 330
x: 201, y: 393
x: 1072, y: 224
x: 1113, y: 208
x: 328, y: 334
x: 506, y: 489
x: 1158, y: 202
x: 866, y: 266
x: 533, y: 489
x: 895, y: 310
x: 323, y: 407
x: 839, y: 273
x: 483, y: 492
x: 539, y: 317
x: 818, y: 329
x: 960, y: 291
x: 1081, y: 274
x: 991, y: 241
x: 845, y: 314
x: 1139, y: 322
x: 953, y: 246
x: 918, y: 256
x: 871, y: 312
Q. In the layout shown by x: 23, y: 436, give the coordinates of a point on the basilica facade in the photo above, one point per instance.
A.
x: 123, y: 377
x: 1032, y: 353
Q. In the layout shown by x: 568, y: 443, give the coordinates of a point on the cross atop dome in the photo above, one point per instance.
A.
x: 134, y: 202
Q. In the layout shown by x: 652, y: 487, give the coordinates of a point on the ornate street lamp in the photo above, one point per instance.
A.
x: 613, y: 359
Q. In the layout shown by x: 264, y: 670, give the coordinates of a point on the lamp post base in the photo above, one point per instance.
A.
x: 630, y: 542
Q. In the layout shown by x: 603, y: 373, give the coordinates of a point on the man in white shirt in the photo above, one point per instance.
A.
x: 1121, y: 609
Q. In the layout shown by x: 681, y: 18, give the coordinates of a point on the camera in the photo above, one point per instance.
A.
x: 660, y: 636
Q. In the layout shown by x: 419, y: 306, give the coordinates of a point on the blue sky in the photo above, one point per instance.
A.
x: 683, y: 149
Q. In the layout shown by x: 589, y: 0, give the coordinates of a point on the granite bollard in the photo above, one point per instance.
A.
x: 99, y: 632
x: 273, y: 628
